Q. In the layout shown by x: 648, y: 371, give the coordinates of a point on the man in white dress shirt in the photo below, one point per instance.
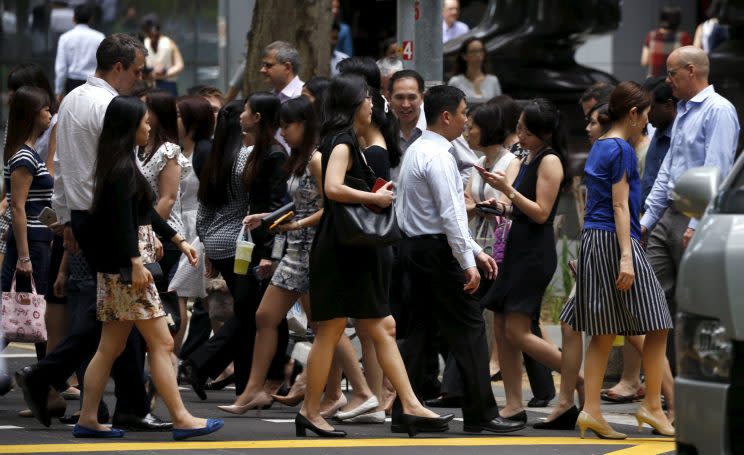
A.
x: 441, y: 260
x: 120, y: 62
x: 76, y: 53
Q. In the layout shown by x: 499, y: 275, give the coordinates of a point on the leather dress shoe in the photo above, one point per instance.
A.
x: 539, y: 402
x: 131, y: 422
x: 414, y: 424
x: 197, y: 380
x: 444, y: 402
x: 496, y: 425
x: 35, y: 393
x: 6, y: 383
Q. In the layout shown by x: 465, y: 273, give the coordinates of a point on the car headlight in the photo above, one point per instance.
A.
x: 704, y: 348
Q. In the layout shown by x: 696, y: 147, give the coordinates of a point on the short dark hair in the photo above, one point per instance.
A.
x: 402, y: 74
x: 492, y: 123
x: 543, y: 119
x: 510, y: 110
x: 626, y: 96
x: 118, y: 48
x: 661, y: 91
x: 670, y: 17
x: 33, y: 75
x: 441, y: 98
x: 196, y: 116
x: 599, y: 91
x: 83, y: 14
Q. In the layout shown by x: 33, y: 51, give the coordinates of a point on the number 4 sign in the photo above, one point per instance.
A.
x: 407, y: 50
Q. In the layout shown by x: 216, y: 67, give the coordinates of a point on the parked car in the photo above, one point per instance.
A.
x: 709, y: 388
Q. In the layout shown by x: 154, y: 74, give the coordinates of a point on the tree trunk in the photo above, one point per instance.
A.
x: 306, y: 25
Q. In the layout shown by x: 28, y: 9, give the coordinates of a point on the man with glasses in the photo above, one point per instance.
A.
x: 705, y: 133
x: 280, y: 65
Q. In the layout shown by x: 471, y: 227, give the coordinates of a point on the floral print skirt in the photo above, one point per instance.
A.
x: 121, y: 302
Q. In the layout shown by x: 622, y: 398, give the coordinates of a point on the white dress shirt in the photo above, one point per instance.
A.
x: 430, y: 197
x: 292, y: 90
x: 76, y: 55
x: 79, y: 127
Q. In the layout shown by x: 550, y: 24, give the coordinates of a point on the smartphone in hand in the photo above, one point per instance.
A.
x: 47, y: 216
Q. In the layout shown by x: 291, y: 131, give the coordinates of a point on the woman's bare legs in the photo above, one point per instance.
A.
x: 372, y: 370
x: 493, y: 363
x: 178, y: 337
x: 318, y: 365
x: 594, y: 371
x: 113, y: 340
x: 570, y: 367
x: 653, y: 349
x: 382, y: 333
x: 510, y: 360
x: 274, y: 306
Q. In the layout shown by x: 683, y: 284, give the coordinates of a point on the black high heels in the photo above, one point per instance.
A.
x: 413, y: 425
x: 302, y: 425
x: 565, y: 421
x: 520, y: 417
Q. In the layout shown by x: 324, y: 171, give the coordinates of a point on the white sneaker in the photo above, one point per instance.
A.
x: 370, y: 417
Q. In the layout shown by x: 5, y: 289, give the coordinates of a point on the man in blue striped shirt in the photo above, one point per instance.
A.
x: 705, y: 133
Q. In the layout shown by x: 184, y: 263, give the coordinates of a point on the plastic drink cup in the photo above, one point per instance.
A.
x: 243, y: 252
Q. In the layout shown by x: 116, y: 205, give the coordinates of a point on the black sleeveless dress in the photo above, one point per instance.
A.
x: 347, y: 281
x: 530, y: 258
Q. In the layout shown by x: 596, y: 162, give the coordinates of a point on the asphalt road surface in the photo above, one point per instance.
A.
x: 272, y: 431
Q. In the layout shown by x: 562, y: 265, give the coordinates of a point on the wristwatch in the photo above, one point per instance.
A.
x: 512, y: 194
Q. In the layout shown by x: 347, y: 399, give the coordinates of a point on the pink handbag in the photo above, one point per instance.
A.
x: 23, y: 315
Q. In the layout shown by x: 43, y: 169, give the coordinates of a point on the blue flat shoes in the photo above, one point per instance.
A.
x: 82, y: 432
x: 212, y: 426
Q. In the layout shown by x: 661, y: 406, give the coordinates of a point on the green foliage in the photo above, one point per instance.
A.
x: 560, y: 287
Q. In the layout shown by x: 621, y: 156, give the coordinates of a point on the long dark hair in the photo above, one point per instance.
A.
x: 162, y: 106
x: 543, y: 119
x: 115, y: 154
x: 33, y: 75
x: 267, y: 105
x: 342, y: 100
x: 461, y: 65
x: 215, y: 178
x: 25, y: 106
x: 294, y: 111
x: 382, y: 115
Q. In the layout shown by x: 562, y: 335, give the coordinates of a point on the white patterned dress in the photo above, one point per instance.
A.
x: 293, y: 272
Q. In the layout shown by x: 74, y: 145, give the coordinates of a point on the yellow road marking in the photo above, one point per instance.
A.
x: 642, y: 450
x: 655, y: 445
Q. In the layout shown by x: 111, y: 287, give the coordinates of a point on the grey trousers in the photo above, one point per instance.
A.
x: 664, y: 252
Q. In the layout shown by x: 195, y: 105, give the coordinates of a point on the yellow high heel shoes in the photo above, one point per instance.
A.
x: 644, y: 416
x: 585, y: 421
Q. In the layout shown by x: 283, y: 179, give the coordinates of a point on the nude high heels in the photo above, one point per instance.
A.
x: 644, y: 416
x: 585, y: 421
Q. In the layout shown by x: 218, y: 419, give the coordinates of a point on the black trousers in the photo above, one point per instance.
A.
x: 198, y: 332
x: 234, y: 341
x: 540, y: 376
x: 81, y: 343
x: 437, y: 302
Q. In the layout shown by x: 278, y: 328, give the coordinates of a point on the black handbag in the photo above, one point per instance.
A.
x: 155, y: 270
x: 357, y: 225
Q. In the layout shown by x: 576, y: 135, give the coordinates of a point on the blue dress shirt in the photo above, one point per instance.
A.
x: 705, y: 133
x: 657, y: 150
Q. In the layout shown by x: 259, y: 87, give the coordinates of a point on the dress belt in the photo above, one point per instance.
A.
x: 425, y: 237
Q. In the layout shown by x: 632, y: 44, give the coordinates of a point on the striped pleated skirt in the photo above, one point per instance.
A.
x: 598, y: 308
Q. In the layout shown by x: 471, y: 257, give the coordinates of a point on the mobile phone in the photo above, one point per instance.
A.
x: 48, y: 216
x: 379, y: 183
x: 480, y: 168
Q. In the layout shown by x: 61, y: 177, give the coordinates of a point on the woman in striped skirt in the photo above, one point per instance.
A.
x: 617, y: 291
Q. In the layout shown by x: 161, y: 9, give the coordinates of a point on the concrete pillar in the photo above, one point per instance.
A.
x: 420, y: 37
x: 233, y: 22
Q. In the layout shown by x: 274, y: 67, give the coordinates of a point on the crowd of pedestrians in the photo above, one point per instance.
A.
x: 363, y: 199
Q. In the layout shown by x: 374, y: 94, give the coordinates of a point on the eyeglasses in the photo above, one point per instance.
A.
x: 267, y: 65
x: 671, y: 73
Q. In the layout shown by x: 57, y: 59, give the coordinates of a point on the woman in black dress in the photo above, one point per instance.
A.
x: 349, y: 281
x: 530, y: 258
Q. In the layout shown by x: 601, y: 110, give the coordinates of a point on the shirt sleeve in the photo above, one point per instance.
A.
x: 657, y: 200
x: 60, y: 66
x: 721, y: 139
x: 59, y: 199
x: 23, y: 159
x: 446, y: 188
